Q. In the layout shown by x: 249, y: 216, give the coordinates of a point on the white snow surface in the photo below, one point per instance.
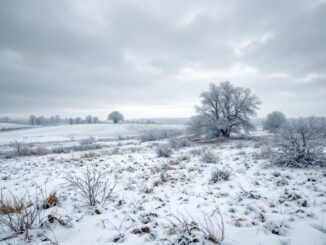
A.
x: 80, y: 131
x: 260, y: 204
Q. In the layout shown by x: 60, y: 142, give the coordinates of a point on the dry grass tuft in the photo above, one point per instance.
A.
x: 10, y: 206
x: 51, y: 201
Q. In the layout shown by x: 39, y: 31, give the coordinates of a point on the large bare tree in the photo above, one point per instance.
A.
x: 224, y: 109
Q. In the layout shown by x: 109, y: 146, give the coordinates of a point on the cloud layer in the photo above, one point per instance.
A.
x: 153, y: 58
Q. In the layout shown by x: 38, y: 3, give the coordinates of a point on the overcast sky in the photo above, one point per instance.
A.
x: 153, y: 58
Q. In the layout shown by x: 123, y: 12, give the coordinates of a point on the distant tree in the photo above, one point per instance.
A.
x: 224, y: 109
x: 32, y: 120
x: 78, y: 120
x: 52, y: 120
x: 95, y: 120
x: 89, y: 119
x: 71, y: 121
x: 274, y: 121
x: 57, y: 119
x: 115, y: 116
x: 41, y: 120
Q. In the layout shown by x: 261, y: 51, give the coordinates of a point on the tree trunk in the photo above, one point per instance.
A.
x: 225, y: 132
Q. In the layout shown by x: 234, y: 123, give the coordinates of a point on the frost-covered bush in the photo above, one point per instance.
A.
x: 208, y: 156
x: 87, y: 141
x: 20, y: 148
x: 274, y: 121
x: 220, y: 175
x: 93, y: 185
x: 60, y: 149
x: 299, y: 144
x: 23, y: 149
x: 177, y: 143
x: 158, y: 135
x: 163, y: 150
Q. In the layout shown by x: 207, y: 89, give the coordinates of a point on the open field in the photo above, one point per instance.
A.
x: 164, y: 200
x: 12, y: 126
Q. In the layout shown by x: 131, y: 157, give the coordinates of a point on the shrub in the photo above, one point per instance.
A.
x: 177, y: 143
x: 220, y: 175
x: 163, y: 150
x: 299, y: 144
x: 87, y: 141
x: 20, y: 148
x: 19, y: 214
x: 158, y: 135
x: 93, y: 185
x: 23, y: 149
x: 208, y: 156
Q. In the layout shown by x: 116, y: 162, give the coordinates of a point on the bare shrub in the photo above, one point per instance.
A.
x: 155, y: 135
x: 23, y: 149
x: 19, y: 214
x: 177, y: 143
x: 87, y: 141
x: 209, y: 156
x: 163, y: 150
x: 60, y: 149
x: 220, y: 175
x: 93, y: 185
x: 20, y: 148
x: 299, y: 144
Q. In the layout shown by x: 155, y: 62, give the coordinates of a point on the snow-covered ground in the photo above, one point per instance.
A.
x: 80, y: 131
x: 259, y: 204
x: 12, y: 126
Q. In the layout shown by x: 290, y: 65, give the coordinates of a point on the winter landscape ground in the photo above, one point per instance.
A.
x: 174, y: 190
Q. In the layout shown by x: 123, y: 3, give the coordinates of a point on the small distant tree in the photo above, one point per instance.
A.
x: 95, y: 120
x: 78, y: 120
x: 224, y: 109
x: 115, y: 116
x: 71, y: 121
x: 274, y: 121
x: 89, y: 119
x: 32, y: 120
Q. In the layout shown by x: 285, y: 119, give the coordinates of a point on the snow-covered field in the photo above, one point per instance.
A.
x: 166, y: 200
x: 12, y: 126
x: 81, y: 131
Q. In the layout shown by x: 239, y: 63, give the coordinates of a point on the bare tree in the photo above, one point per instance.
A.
x: 274, y: 121
x: 224, y: 109
x: 89, y: 119
x: 32, y: 119
x: 71, y: 121
x: 115, y: 116
x: 299, y: 144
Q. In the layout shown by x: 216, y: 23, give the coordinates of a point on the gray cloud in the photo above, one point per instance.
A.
x: 153, y: 58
